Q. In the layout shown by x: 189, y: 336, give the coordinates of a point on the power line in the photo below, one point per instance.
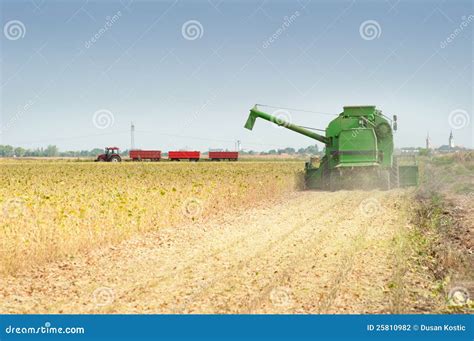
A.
x: 210, y: 139
x: 184, y: 136
x: 301, y: 110
x: 73, y: 137
x: 52, y: 140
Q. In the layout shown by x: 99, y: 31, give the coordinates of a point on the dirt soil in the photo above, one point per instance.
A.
x: 312, y: 252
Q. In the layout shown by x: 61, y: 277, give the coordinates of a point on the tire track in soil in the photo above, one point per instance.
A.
x: 357, y: 284
x: 241, y: 258
x: 284, y: 273
x: 239, y: 267
x: 291, y: 268
x: 341, y: 275
x: 281, y: 281
x: 310, y: 243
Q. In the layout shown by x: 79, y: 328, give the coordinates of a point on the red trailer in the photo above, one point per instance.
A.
x: 184, y: 155
x: 138, y: 155
x: 217, y: 156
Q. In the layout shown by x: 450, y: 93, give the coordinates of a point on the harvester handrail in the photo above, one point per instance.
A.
x: 367, y: 121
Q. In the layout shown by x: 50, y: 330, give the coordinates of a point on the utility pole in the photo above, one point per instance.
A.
x: 132, y: 136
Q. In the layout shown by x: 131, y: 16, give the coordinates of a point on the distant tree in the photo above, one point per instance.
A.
x: 424, y: 152
x: 19, y: 151
x: 312, y: 150
x: 51, y: 151
x: 6, y: 150
x: 96, y: 151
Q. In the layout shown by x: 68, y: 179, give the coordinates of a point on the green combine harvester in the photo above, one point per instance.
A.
x: 358, y: 151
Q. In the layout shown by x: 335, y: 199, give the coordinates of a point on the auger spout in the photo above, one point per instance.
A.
x: 255, y: 113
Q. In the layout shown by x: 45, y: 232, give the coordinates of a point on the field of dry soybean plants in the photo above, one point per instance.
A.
x: 55, y: 210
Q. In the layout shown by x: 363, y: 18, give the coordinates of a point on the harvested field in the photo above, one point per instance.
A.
x: 313, y: 252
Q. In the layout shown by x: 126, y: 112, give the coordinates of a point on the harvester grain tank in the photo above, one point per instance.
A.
x: 358, y: 152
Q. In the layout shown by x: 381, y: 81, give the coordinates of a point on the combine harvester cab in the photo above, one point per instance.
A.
x: 358, y: 151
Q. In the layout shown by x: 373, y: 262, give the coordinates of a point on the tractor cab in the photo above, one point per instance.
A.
x: 111, y: 155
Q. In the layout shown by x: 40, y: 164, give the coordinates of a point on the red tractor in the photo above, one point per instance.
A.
x: 111, y: 155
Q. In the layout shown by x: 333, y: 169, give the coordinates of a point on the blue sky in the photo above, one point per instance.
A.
x: 193, y: 88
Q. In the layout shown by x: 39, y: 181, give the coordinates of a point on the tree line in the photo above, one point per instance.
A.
x: 310, y: 150
x: 53, y: 151
x: 49, y: 151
